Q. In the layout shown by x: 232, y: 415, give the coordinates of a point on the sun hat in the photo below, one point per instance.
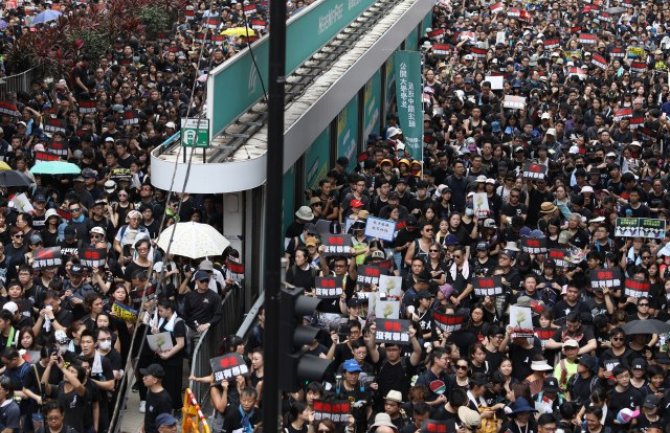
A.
x: 521, y: 405
x: 548, y: 207
x: 304, y: 213
x: 383, y: 419
x: 540, y: 365
x: 394, y: 395
x: 470, y: 418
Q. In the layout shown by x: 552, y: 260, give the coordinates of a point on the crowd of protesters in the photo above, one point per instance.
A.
x: 67, y: 329
x: 544, y: 122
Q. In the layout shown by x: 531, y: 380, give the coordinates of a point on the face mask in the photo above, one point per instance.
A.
x: 105, y: 345
x: 469, y: 212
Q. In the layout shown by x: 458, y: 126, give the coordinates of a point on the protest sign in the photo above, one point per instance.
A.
x: 605, y: 278
x: 480, y: 205
x: 392, y: 331
x: 47, y: 258
x: 496, y: 81
x: 369, y: 274
x: 228, y: 367
x: 160, y: 342
x: 380, y: 228
x: 390, y: 285
x: 636, y: 289
x: 534, y: 171
x: 521, y: 321
x: 124, y: 312
x: 435, y: 426
x: 336, y: 245
x: 93, y: 257
x: 387, y: 309
x: 448, y: 322
x: 534, y: 245
x: 652, y: 228
x: 488, y: 286
x: 559, y: 257
x: 338, y: 411
x: 328, y: 287
x: 514, y: 102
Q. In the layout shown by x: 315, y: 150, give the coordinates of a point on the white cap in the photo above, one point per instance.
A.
x: 98, y: 230
x: 545, y: 115
x: 11, y: 307
x: 586, y: 188
x: 551, y: 131
x: 393, y: 131
x: 574, y: 150
x: 171, y: 125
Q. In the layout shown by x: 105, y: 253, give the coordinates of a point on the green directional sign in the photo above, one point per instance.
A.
x: 195, y: 132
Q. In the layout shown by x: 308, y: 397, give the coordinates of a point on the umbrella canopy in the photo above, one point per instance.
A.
x: 648, y: 326
x: 4, y: 166
x: 55, y: 167
x: 14, y: 178
x: 193, y: 240
x: 238, y: 31
x: 45, y: 17
x: 616, y: 10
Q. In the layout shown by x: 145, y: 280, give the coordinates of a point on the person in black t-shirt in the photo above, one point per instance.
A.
x: 71, y: 393
x: 624, y: 395
x: 158, y: 400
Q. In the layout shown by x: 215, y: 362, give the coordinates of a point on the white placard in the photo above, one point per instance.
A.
x: 387, y: 309
x: 514, y: 102
x: 380, y: 228
x: 521, y: 321
x: 391, y: 285
x: 22, y: 203
x: 496, y: 81
x: 501, y: 38
x: 160, y: 342
x: 480, y: 204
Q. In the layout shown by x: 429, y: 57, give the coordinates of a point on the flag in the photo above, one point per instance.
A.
x: 588, y: 39
x: 551, y: 44
x: 497, y: 7
x: 514, y: 13
x: 441, y: 49
x: 638, y: 67
x: 407, y: 65
x: 193, y: 420
x: 189, y: 13
x: 599, y: 61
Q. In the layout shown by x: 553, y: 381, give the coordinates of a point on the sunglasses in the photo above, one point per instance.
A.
x: 643, y: 305
x: 434, y: 251
x: 617, y: 338
x: 462, y: 367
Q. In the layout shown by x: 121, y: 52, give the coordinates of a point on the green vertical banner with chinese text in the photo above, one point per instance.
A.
x: 407, y: 65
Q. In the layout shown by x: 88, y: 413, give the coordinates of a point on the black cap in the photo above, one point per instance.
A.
x: 39, y: 198
x: 154, y: 370
x: 551, y: 385
x: 69, y: 232
x: 424, y: 294
x: 77, y: 270
x: 639, y: 364
x: 343, y: 161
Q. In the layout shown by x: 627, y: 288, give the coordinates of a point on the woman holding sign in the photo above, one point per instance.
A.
x: 170, y: 324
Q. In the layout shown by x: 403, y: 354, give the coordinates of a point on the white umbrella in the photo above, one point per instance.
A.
x: 193, y: 240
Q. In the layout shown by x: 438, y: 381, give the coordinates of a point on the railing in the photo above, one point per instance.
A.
x: 16, y: 83
x: 210, y: 341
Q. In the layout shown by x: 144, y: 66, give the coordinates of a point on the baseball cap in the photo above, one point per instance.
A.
x: 571, y: 344
x: 11, y: 307
x: 98, y: 230
x: 154, y: 370
x: 201, y: 275
x: 165, y: 419
x: 651, y: 401
x: 351, y: 366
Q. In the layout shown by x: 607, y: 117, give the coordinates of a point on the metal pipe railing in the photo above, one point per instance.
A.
x: 16, y: 83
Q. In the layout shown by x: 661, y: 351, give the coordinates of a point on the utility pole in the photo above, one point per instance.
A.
x: 273, y: 204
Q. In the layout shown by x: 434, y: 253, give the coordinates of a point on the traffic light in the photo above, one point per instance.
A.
x: 296, y: 366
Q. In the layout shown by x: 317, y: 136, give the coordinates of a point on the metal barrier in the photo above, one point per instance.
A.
x: 210, y: 342
x: 16, y: 83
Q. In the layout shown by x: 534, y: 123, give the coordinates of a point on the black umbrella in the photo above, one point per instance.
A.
x: 14, y: 178
x: 649, y: 326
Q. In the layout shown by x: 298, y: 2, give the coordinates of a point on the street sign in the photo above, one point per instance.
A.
x: 195, y: 132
